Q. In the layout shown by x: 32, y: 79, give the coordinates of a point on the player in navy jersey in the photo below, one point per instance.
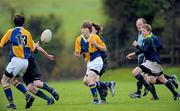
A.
x: 139, y: 23
x: 152, y: 65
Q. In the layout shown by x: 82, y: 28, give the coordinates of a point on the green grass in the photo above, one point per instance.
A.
x: 74, y: 96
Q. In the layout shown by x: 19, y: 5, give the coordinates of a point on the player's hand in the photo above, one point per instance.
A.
x: 130, y: 56
x: 94, y: 43
x: 50, y: 57
x: 135, y: 43
x: 77, y: 54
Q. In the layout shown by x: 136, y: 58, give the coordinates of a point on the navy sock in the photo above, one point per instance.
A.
x: 8, y: 93
x: 22, y: 88
x: 102, y: 89
x: 171, y: 88
x: 141, y: 79
x: 100, y: 84
x: 93, y: 91
x: 47, y: 88
x: 167, y: 76
x: 42, y: 95
x: 139, y: 87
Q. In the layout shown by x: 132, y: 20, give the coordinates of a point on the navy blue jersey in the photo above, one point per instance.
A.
x: 103, y: 54
x: 151, y: 47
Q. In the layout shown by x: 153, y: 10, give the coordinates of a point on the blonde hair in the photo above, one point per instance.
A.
x: 147, y: 27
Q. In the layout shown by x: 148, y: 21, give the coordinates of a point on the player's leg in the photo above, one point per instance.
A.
x: 17, y: 67
x: 5, y: 81
x: 172, y: 79
x: 137, y: 94
x: 33, y: 89
x: 22, y: 88
x: 28, y: 79
x: 151, y: 79
x: 137, y: 74
x: 139, y: 84
x: 34, y: 71
x: 89, y: 79
x: 102, y: 89
x: 45, y: 86
x: 169, y: 86
x: 110, y: 84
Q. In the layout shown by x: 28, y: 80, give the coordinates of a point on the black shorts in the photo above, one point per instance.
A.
x: 32, y: 72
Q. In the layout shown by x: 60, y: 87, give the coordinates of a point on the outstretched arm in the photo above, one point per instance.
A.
x: 131, y: 55
x: 40, y: 49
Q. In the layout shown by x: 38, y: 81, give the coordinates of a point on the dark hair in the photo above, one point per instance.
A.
x: 147, y: 27
x: 98, y: 28
x: 19, y: 20
x: 87, y: 25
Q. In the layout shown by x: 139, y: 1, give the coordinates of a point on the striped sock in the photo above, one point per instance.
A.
x: 8, y: 93
x: 93, y: 91
x: 22, y: 88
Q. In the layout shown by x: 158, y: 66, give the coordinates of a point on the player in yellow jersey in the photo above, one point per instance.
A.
x: 21, y: 45
x: 32, y: 79
x: 89, y: 46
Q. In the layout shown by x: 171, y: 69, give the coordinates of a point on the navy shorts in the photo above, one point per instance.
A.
x: 32, y: 72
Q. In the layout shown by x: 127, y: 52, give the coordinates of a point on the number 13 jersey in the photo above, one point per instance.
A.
x: 20, y: 41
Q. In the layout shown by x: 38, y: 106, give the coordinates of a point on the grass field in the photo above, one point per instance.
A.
x: 74, y: 96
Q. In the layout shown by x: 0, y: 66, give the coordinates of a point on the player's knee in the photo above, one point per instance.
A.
x: 86, y: 82
x: 13, y: 82
x: 4, y: 82
x: 90, y: 81
x: 134, y: 72
x: 38, y: 84
x: 163, y: 80
x: 31, y: 88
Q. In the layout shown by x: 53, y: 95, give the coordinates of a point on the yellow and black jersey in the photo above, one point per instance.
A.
x: 86, y: 48
x: 20, y: 41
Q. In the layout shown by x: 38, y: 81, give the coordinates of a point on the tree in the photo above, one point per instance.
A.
x: 120, y: 28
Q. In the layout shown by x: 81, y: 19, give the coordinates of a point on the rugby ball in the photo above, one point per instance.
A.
x: 46, y: 36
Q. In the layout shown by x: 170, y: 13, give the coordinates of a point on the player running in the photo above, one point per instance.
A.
x: 151, y: 66
x: 89, y: 45
x: 21, y: 46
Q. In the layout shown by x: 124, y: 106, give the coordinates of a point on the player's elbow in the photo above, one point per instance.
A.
x: 104, y: 49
